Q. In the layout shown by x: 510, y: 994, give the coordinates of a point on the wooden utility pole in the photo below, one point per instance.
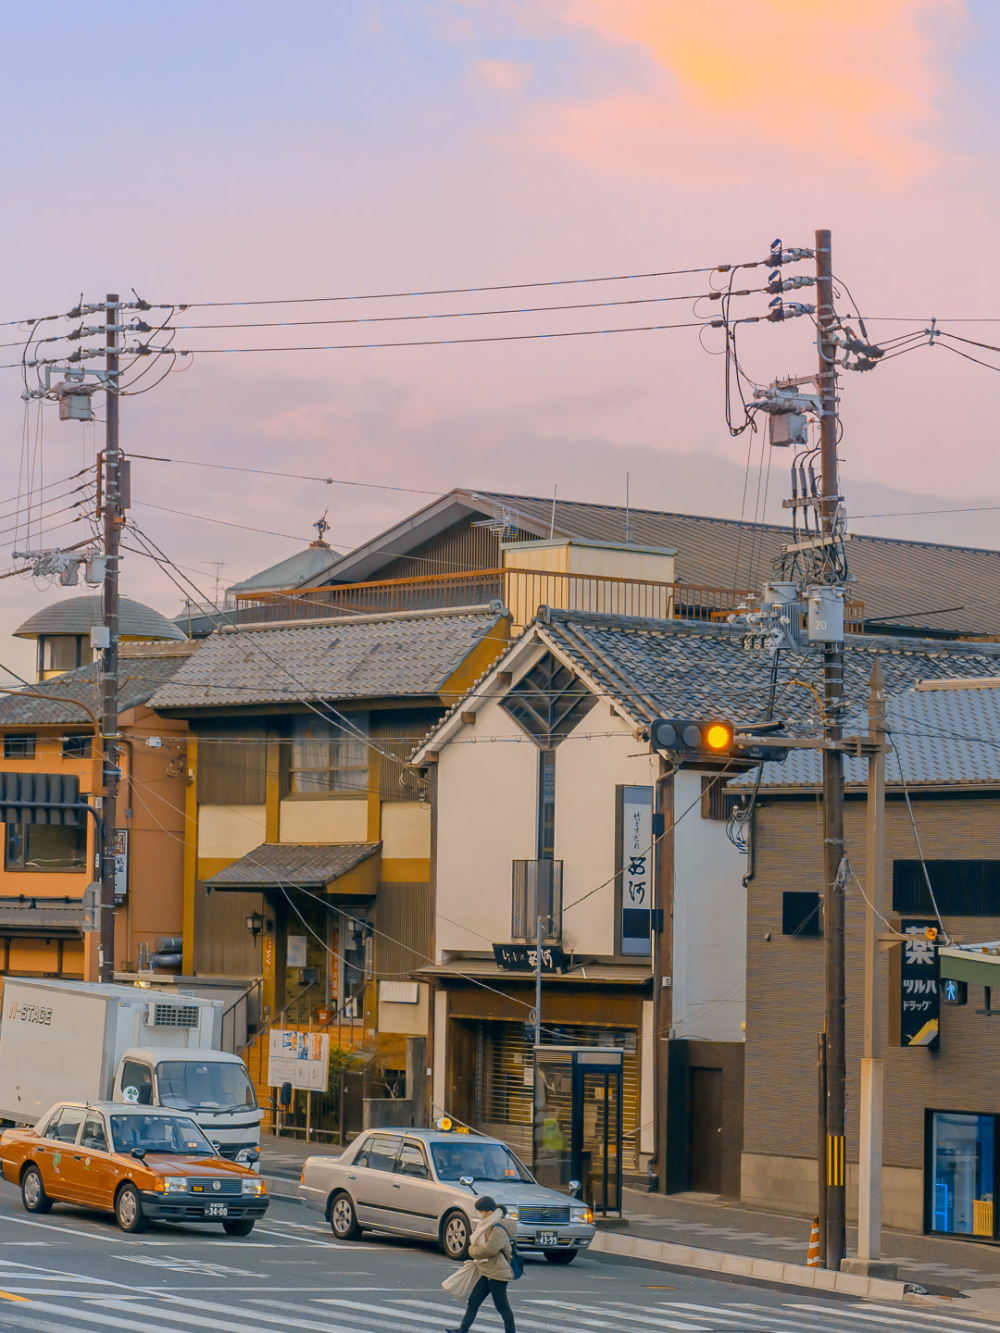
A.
x: 872, y: 1067
x: 112, y: 499
x: 833, y: 782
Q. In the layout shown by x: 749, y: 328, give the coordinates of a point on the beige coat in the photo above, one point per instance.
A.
x: 490, y: 1247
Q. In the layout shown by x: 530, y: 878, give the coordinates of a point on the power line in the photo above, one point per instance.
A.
x: 451, y: 291
x: 447, y: 314
x: 439, y: 342
x: 205, y: 518
x: 294, y: 476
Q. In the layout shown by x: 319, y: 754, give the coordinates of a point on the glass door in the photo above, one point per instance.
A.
x: 961, y: 1180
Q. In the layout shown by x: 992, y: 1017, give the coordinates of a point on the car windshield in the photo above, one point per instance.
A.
x: 204, y: 1085
x: 480, y: 1160
x: 159, y: 1134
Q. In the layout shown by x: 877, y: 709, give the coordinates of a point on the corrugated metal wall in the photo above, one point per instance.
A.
x: 222, y: 944
x: 404, y: 918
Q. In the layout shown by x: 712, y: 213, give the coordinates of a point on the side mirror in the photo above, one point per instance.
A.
x: 248, y: 1156
x: 467, y: 1181
x: 574, y: 1188
x: 217, y: 1147
x: 285, y: 1096
x: 139, y: 1154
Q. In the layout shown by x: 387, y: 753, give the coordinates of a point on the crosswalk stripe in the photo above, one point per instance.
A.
x: 454, y: 1314
x: 773, y: 1316
x: 215, y: 1308
x: 204, y: 1321
x: 102, y: 1319
x: 924, y: 1316
x: 711, y: 1311
x: 660, y: 1320
x: 891, y: 1317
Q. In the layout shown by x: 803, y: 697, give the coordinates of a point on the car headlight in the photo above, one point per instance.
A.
x: 513, y: 1212
x: 251, y: 1186
x: 171, y: 1184
x: 581, y: 1215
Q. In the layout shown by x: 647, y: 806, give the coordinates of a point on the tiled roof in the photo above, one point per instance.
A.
x: 673, y: 668
x: 940, y: 737
x: 303, y: 866
x: 411, y: 654
x: 38, y: 916
x: 75, y: 615
x: 904, y: 580
x: 139, y: 678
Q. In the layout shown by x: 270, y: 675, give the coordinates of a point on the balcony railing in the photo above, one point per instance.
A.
x: 522, y: 591
x: 537, y: 892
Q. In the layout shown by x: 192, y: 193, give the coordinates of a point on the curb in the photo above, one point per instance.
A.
x: 744, y: 1265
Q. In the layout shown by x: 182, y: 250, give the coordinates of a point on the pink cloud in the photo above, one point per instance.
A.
x: 860, y: 78
x: 502, y: 76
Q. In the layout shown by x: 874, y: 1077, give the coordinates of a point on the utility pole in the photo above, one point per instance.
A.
x: 109, y: 643
x: 833, y: 781
x: 872, y: 1065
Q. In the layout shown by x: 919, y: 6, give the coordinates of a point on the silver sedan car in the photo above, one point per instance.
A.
x: 425, y: 1182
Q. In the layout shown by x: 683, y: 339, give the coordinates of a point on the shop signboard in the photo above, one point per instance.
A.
x: 919, y: 995
x: 635, y: 868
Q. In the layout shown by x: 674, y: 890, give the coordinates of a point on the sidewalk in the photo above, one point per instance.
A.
x: 943, y: 1266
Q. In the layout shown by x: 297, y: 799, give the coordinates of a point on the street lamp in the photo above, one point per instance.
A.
x: 255, y: 924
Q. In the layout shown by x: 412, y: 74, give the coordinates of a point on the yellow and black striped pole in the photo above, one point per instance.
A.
x: 835, y: 1168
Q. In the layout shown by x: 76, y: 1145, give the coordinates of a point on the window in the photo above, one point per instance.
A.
x: 192, y: 1085
x: 716, y: 801
x: 546, y: 805
x: 93, y: 1136
x: 329, y: 756
x: 961, y: 1175
x: 45, y: 847
x: 382, y: 1152
x: 63, y: 652
x: 801, y: 914
x: 159, y: 1134
x: 480, y: 1160
x: 962, y: 888
x: 19, y: 745
x: 412, y: 1162
x: 77, y: 747
x: 139, y: 1077
x: 64, y: 1125
x: 548, y: 702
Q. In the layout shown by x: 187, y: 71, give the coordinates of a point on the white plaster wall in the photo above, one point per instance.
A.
x: 323, y: 821
x: 406, y: 829
x: 229, y: 830
x: 409, y: 1019
x: 486, y: 819
x: 709, y: 962
x: 587, y: 773
x: 439, y: 1082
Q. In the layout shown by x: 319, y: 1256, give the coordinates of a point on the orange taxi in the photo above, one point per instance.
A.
x: 144, y: 1164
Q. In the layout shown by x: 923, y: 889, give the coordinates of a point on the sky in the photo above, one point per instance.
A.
x: 239, y: 151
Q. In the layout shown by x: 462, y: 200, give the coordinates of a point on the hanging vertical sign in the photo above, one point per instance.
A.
x: 635, y: 868
x: 918, y: 987
x: 121, y: 864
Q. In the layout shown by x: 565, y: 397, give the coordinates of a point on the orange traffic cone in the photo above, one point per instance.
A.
x: 812, y: 1255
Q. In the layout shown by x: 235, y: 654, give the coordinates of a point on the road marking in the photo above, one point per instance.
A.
x: 51, y: 1226
x: 526, y: 1321
x: 171, y: 1302
x: 660, y: 1320
x: 10, y: 1296
x: 913, y: 1317
x: 773, y: 1315
x: 198, y: 1267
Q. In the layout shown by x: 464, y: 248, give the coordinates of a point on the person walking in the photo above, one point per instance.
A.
x: 491, y: 1249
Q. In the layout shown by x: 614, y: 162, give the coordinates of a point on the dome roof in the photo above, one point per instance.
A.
x: 296, y: 571
x: 76, y: 615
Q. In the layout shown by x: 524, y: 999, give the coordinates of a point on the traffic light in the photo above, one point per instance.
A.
x: 693, y: 738
x: 41, y: 798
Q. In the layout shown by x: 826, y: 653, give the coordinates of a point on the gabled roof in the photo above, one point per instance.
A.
x: 139, y: 679
x: 410, y: 654
x: 295, y: 865
x: 940, y: 737
x: 672, y: 668
x: 925, y: 585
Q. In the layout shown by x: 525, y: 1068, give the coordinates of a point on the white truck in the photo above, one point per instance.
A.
x: 78, y: 1040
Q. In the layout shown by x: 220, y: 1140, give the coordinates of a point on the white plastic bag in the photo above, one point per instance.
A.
x: 460, y: 1283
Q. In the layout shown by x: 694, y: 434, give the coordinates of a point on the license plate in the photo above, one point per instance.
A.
x: 546, y: 1238
x: 217, y: 1210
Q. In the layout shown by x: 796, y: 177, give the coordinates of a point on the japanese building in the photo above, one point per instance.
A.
x: 941, y: 1096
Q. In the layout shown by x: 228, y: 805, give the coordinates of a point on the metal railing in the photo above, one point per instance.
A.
x: 537, y: 891
x: 248, y: 1007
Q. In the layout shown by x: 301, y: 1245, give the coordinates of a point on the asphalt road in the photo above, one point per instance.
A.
x: 71, y: 1272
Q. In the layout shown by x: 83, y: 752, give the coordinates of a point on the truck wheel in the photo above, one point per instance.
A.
x: 560, y: 1256
x: 128, y: 1210
x: 455, y: 1235
x: 343, y: 1218
x: 33, y: 1194
x: 241, y: 1226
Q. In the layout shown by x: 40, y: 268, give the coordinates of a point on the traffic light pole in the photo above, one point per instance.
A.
x: 109, y: 653
x: 833, y: 787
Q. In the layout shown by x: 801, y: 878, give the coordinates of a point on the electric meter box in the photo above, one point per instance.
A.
x: 826, y: 615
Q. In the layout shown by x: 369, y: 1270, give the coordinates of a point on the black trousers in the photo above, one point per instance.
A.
x: 488, y: 1286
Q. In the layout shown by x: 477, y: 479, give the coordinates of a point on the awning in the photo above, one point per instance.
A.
x: 63, y: 921
x: 980, y: 965
x: 350, y: 866
x: 483, y: 969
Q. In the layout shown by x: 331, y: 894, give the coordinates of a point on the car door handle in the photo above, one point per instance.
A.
x: 395, y: 1185
x: 351, y: 1175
